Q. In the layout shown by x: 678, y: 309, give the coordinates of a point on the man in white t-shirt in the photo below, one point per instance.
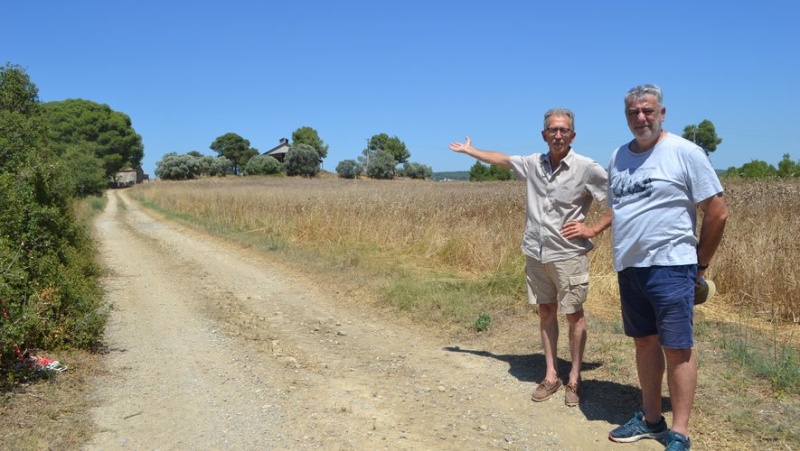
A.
x: 560, y: 188
x: 656, y: 184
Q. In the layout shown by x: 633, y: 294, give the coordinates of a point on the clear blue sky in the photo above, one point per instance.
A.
x: 427, y: 71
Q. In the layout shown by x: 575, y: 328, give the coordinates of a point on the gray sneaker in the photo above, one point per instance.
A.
x: 677, y: 442
x: 637, y: 429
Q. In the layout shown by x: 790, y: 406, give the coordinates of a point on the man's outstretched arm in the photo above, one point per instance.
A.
x: 494, y: 158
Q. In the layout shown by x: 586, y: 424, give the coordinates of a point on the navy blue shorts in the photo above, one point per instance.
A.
x: 659, y: 300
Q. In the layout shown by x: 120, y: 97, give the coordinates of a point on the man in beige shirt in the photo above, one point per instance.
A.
x: 561, y: 186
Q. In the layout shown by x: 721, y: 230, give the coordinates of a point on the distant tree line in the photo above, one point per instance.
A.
x: 236, y: 156
x: 761, y: 169
x: 380, y: 160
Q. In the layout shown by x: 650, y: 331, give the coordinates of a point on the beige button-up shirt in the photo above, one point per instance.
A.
x: 556, y: 196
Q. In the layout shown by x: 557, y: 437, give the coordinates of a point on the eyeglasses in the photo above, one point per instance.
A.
x: 633, y: 112
x: 553, y: 131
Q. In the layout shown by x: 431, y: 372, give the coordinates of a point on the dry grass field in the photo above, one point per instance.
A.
x: 473, y: 230
x: 445, y: 253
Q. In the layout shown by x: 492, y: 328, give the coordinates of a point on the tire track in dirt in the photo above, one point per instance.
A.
x: 216, y: 346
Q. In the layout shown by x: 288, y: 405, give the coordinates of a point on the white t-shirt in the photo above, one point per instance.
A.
x: 654, y: 197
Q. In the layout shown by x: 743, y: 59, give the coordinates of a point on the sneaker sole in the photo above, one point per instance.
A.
x: 636, y: 438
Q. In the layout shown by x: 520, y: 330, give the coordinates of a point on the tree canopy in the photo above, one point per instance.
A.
x: 49, y: 278
x: 309, y: 136
x: 390, y: 145
x: 348, y: 169
x: 483, y: 173
x: 761, y: 169
x: 381, y: 166
x: 174, y: 166
x: 417, y: 170
x: 262, y: 165
x: 96, y: 129
x: 17, y: 92
x: 234, y: 148
x: 704, y: 135
x: 302, y: 159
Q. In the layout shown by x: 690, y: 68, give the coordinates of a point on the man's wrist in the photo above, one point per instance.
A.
x: 702, y: 267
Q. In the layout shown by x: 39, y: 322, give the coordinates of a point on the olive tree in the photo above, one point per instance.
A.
x: 302, y: 159
x: 262, y: 165
x: 381, y: 166
x: 417, y: 170
x: 349, y: 169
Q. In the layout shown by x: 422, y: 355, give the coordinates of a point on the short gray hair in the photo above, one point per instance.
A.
x: 641, y: 91
x: 560, y: 112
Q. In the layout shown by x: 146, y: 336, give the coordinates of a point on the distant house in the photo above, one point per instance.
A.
x: 128, y: 177
x: 279, y: 153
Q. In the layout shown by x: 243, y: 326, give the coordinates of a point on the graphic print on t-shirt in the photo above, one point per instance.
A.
x: 637, y: 183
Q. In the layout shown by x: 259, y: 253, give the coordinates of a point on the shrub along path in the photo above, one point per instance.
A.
x: 214, y: 346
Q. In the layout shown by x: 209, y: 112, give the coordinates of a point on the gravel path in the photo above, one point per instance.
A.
x: 213, y: 346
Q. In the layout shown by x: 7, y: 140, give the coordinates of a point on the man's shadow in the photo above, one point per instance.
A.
x: 600, y: 400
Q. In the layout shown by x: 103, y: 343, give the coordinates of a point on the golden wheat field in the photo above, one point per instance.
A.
x: 474, y: 229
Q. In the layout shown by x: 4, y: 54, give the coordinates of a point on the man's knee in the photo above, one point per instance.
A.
x: 647, y: 342
x: 678, y: 356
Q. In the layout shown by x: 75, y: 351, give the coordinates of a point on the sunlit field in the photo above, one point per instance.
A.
x: 474, y: 229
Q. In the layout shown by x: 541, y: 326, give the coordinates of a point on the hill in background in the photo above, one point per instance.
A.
x: 452, y: 175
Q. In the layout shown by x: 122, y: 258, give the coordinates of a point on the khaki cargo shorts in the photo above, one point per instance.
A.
x: 565, y: 282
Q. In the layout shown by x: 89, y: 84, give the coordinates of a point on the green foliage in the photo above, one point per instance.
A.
x: 17, y: 93
x: 48, y: 284
x: 761, y: 169
x: 212, y: 166
x: 381, y: 166
x: 307, y: 135
x: 383, y: 143
x: 302, y: 159
x: 788, y: 168
x: 96, y: 129
x: 262, y: 165
x: 483, y: 173
x: 348, y: 169
x: 22, y: 130
x: 753, y: 169
x: 174, y: 166
x: 417, y: 171
x: 86, y: 171
x: 704, y: 135
x: 234, y: 148
x: 483, y: 322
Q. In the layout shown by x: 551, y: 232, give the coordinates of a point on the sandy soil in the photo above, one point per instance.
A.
x: 213, y: 346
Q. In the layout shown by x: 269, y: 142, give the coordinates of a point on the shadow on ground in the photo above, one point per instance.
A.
x: 600, y: 400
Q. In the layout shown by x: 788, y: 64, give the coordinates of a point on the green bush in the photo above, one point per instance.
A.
x: 302, y: 159
x: 483, y: 173
x: 49, y: 280
x: 348, y: 169
x: 417, y: 171
x: 173, y: 166
x: 381, y: 166
x: 262, y: 165
x: 86, y: 171
x: 213, y: 166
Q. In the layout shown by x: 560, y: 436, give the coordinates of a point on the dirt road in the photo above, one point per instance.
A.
x: 213, y: 346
